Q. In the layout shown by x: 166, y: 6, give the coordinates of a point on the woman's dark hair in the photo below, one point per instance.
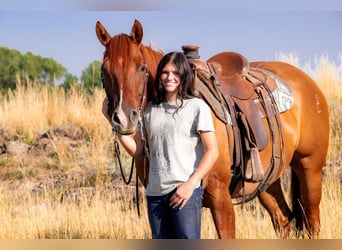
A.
x: 186, y: 87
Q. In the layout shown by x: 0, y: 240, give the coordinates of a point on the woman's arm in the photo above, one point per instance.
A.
x: 132, y: 144
x: 210, y: 156
x: 185, y: 190
x: 105, y: 105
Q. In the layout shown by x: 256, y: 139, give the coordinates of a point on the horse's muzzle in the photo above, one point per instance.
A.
x: 124, y: 131
x: 125, y: 126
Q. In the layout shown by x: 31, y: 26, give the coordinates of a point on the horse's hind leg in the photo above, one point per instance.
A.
x: 274, y: 202
x: 306, y: 205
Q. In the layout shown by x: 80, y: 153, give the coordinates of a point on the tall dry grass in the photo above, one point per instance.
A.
x: 27, y: 215
x: 33, y: 107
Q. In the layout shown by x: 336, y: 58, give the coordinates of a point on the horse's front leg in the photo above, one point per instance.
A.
x: 216, y: 192
x: 217, y: 199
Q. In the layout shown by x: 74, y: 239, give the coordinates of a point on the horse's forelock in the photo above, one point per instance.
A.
x: 118, y: 51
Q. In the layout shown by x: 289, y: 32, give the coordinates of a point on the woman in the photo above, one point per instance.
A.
x: 183, y: 148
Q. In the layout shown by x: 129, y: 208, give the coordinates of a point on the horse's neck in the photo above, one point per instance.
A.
x: 152, y: 59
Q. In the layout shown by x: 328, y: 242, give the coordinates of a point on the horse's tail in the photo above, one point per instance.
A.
x: 297, y: 208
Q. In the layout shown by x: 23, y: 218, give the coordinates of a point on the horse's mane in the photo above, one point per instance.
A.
x: 152, y: 57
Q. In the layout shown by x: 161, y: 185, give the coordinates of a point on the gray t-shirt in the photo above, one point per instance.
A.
x: 174, y: 142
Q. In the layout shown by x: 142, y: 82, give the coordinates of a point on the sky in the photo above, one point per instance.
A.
x: 260, y: 30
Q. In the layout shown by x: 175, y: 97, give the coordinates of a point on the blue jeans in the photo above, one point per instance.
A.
x: 171, y: 223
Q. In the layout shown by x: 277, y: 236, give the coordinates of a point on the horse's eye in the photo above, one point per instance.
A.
x: 143, y: 68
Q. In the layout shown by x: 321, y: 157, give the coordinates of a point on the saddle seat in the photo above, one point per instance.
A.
x: 234, y: 63
x: 238, y: 79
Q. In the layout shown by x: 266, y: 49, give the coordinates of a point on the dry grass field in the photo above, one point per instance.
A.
x: 69, y: 193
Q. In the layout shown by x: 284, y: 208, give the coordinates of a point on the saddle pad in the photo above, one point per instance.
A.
x: 282, y: 94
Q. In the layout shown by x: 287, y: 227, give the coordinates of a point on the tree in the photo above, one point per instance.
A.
x: 51, y: 71
x: 69, y: 81
x: 9, y: 66
x: 91, y: 76
x: 36, y: 68
x: 30, y: 65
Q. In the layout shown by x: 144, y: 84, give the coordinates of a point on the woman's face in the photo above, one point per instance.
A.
x: 171, y: 80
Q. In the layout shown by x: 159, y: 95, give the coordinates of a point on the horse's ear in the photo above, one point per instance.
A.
x: 137, y: 32
x: 102, y: 34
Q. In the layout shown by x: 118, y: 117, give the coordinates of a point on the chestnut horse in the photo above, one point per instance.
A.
x: 128, y: 72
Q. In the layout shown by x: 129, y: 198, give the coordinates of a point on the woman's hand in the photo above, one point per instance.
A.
x: 105, y: 105
x: 182, y: 195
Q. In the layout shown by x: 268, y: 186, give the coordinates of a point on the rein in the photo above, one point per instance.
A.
x: 117, y: 157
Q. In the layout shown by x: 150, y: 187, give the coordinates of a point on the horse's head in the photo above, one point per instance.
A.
x: 125, y: 76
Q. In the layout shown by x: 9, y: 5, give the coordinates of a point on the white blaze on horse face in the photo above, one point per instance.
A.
x: 120, y: 114
x: 120, y: 61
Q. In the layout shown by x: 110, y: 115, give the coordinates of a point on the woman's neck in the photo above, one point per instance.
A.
x: 171, y: 97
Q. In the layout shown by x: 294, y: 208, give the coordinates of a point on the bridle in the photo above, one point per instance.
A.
x: 140, y: 127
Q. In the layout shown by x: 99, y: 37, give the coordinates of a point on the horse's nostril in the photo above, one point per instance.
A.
x: 116, y: 118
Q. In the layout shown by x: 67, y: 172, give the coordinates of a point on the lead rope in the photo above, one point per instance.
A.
x: 117, y: 157
x: 140, y: 126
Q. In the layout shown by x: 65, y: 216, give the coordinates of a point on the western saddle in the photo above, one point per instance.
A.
x: 241, y: 97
